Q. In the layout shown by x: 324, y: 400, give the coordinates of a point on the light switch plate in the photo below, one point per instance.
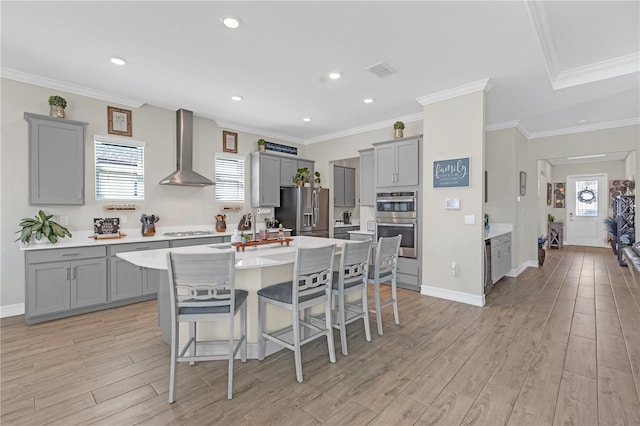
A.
x: 469, y: 219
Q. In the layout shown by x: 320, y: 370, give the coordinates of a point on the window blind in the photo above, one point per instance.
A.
x: 119, y: 170
x: 229, y: 178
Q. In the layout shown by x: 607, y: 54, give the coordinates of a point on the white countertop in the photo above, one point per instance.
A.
x: 498, y: 229
x: 361, y: 232
x: 253, y: 257
x: 354, y: 222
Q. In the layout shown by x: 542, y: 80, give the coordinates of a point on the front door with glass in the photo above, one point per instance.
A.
x: 587, y: 198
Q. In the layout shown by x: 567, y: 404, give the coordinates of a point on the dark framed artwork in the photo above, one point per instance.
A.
x: 549, y: 192
x: 119, y: 121
x: 486, y: 187
x: 558, y: 195
x: 229, y: 142
x: 523, y: 183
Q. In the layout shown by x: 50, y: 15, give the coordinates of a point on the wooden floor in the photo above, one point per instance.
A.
x: 557, y: 345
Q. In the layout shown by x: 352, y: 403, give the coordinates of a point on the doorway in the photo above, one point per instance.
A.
x: 586, y: 203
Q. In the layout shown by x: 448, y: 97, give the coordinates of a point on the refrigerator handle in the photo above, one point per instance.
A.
x: 314, y: 208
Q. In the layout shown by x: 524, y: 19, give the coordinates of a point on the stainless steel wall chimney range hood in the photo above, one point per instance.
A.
x: 184, y: 175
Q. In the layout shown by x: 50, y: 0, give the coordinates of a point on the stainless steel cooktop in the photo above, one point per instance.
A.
x: 187, y: 233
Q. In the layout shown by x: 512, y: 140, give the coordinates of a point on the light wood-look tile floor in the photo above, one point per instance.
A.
x: 557, y: 345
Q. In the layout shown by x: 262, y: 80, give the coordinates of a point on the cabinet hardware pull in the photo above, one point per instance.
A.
x: 70, y: 254
x: 142, y: 248
x: 75, y: 273
x: 68, y: 274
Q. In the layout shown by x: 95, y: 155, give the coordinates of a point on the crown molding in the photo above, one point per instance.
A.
x: 508, y: 125
x: 586, y: 128
x: 23, y: 77
x: 590, y: 73
x: 477, y: 86
x: 265, y: 133
x: 603, y: 70
x: 366, y: 128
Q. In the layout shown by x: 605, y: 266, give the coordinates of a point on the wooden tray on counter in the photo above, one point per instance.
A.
x: 242, y: 246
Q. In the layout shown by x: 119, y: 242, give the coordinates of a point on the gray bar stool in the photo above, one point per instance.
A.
x: 385, y: 270
x: 202, y: 288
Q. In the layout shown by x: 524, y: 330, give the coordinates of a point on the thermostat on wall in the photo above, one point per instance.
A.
x: 452, y: 204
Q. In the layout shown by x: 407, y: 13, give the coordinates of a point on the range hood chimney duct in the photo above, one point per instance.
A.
x: 184, y: 174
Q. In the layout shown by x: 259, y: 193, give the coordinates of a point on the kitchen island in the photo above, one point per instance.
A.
x: 256, y: 267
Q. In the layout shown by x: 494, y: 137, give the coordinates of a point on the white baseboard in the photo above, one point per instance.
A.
x: 456, y: 296
x: 11, y: 310
x: 520, y: 269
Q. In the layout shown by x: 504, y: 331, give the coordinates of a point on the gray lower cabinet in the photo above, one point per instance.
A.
x: 199, y: 241
x: 342, y: 232
x: 61, y: 280
x: 126, y: 280
x: 52, y: 142
x: 500, y: 257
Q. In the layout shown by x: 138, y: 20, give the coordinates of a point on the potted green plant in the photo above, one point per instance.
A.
x: 41, y: 226
x: 317, y: 179
x: 57, y: 105
x: 541, y: 253
x: 398, y: 126
x: 301, y: 177
x: 262, y: 144
x: 551, y: 218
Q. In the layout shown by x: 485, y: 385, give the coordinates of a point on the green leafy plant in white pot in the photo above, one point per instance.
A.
x: 41, y: 226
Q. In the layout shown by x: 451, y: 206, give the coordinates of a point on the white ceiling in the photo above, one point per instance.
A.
x: 180, y: 56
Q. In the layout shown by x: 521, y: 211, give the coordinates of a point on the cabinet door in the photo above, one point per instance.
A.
x: 126, y: 279
x: 49, y: 286
x: 385, y: 165
x: 269, y: 181
x: 56, y: 160
x: 88, y: 282
x: 367, y: 185
x: 496, y: 262
x: 288, y: 169
x: 338, y: 186
x: 407, y: 163
x: 151, y: 280
x: 349, y: 187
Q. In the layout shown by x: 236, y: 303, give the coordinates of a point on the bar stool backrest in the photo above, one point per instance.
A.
x: 354, y: 262
x: 312, y: 272
x: 387, y: 254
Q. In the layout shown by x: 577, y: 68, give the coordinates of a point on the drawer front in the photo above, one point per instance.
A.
x: 65, y: 254
x: 408, y: 266
x: 501, y: 239
x: 151, y: 245
x: 199, y: 241
x: 408, y: 279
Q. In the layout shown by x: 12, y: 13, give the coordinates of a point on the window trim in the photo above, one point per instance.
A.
x: 235, y: 157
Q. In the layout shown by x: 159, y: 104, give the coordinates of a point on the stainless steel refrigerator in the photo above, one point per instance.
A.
x: 305, y: 210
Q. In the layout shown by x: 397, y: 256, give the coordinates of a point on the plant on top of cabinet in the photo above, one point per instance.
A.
x: 398, y: 126
x: 262, y: 144
x: 302, y: 177
x: 317, y: 180
x: 41, y: 225
x: 57, y: 105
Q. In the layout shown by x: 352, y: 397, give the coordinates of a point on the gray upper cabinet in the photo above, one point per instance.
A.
x: 288, y: 169
x: 265, y: 180
x: 397, y: 163
x: 344, y: 186
x: 367, y: 185
x: 56, y: 160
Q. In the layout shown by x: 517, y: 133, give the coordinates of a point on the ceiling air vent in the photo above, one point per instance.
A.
x: 381, y: 69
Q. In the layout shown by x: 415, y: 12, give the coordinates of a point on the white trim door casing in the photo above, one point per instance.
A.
x: 586, y: 230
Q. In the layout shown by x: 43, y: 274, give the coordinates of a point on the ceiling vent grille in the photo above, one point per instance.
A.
x: 381, y: 69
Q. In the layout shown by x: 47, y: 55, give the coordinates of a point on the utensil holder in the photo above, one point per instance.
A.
x: 148, y: 230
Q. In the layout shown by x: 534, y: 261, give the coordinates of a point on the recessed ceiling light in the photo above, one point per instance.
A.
x: 236, y: 98
x: 118, y: 61
x: 230, y: 22
x: 334, y: 75
x: 368, y: 100
x: 306, y: 119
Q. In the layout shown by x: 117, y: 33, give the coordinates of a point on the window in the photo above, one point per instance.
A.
x: 229, y: 178
x: 119, y: 169
x: 587, y: 198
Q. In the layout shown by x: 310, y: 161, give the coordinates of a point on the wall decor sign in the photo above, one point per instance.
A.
x: 523, y: 183
x: 451, y: 173
x: 229, y: 142
x: 286, y: 149
x: 105, y: 227
x: 620, y: 187
x: 119, y: 121
x: 558, y: 195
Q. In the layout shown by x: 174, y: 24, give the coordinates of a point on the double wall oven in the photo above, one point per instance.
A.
x: 397, y: 213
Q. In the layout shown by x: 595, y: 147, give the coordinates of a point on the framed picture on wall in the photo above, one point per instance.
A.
x: 558, y: 195
x: 549, y: 192
x: 119, y: 121
x: 229, y: 142
x: 523, y: 183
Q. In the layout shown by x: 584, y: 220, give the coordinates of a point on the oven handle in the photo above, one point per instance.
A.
x: 400, y: 225
x: 396, y: 200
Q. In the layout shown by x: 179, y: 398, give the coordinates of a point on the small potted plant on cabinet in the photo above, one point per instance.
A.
x: 57, y: 105
x: 398, y: 126
x: 302, y: 177
x: 262, y: 145
x: 317, y: 179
